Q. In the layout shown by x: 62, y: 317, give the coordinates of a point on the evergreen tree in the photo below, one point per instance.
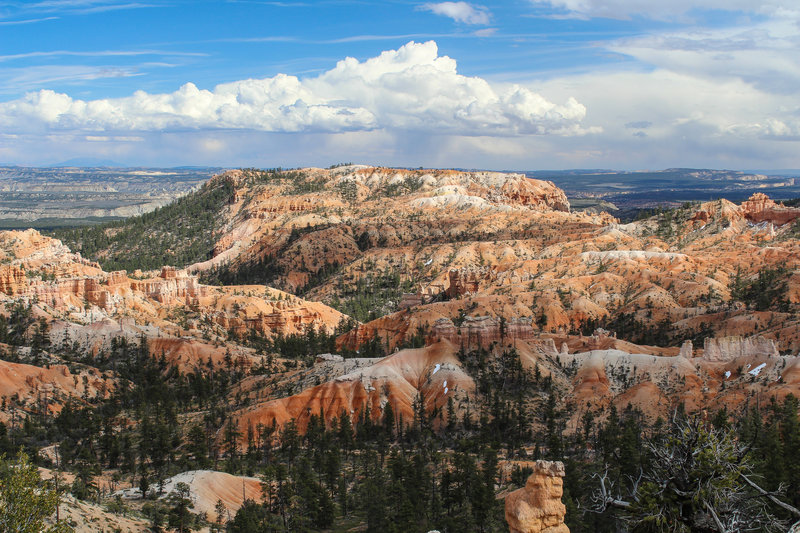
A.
x: 180, y: 516
x: 25, y: 502
x: 250, y: 517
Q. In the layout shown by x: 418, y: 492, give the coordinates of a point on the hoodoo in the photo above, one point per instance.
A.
x: 537, y: 507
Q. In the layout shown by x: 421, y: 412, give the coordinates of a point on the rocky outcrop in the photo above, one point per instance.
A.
x: 730, y: 348
x: 469, y: 280
x: 206, y: 489
x: 537, y: 507
x: 687, y: 349
x: 170, y: 286
x: 760, y: 208
x: 421, y: 297
x: 42, y: 272
x: 482, y: 331
x: 433, y: 374
x: 536, y: 193
x: 29, y: 387
x: 287, y: 320
x: 12, y: 280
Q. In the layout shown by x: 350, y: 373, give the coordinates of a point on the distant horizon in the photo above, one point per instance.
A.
x: 113, y: 164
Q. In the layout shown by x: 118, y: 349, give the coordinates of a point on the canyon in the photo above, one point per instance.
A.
x: 498, y: 262
x: 429, y: 289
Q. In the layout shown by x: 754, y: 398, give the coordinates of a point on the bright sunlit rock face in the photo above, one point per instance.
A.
x: 537, y: 507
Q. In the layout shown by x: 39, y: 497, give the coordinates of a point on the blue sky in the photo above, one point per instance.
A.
x: 525, y: 84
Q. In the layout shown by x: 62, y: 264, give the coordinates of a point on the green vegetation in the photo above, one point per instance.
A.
x: 435, y: 470
x: 767, y: 290
x: 178, y: 234
x: 627, y: 326
x: 375, y: 293
x: 794, y: 202
x: 268, y: 269
x: 409, y: 185
x: 26, y: 502
x: 691, y: 477
x: 294, y: 182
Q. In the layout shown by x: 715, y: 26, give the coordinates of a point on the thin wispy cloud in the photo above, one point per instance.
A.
x: 117, y: 7
x: 99, y: 53
x: 486, y: 32
x: 763, y: 54
x: 339, y: 40
x: 73, y: 6
x: 462, y: 12
x: 672, y: 10
x: 274, y: 4
x: 26, y: 21
x: 31, y: 77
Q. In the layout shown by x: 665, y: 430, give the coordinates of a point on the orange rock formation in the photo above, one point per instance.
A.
x: 180, y: 318
x: 496, y: 260
x: 759, y: 208
x: 433, y: 374
x: 537, y: 507
x: 32, y: 388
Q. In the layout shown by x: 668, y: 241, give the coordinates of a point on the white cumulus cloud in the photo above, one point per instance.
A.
x: 460, y: 12
x: 412, y: 88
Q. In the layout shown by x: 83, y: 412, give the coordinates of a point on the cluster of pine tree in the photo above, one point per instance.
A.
x: 179, y: 234
x: 437, y: 470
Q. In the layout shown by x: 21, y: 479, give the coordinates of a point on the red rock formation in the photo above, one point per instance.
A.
x: 591, y: 382
x: 36, y: 388
x: 466, y: 281
x: 170, y: 287
x: 482, y: 331
x: 537, y: 507
x: 12, y: 279
x: 117, y: 278
x: 536, y: 193
x: 760, y: 208
x: 41, y: 271
x: 186, y: 353
x: 434, y: 373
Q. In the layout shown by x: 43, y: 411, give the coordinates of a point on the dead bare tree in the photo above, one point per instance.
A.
x: 698, y: 480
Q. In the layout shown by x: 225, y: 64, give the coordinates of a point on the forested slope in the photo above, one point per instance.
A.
x: 178, y: 234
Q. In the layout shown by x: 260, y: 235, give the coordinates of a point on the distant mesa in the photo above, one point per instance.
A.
x: 88, y: 162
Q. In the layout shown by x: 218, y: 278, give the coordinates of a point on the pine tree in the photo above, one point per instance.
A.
x: 221, y: 516
x: 790, y: 432
x: 25, y: 502
x: 374, y: 498
x: 180, y: 516
x: 389, y: 421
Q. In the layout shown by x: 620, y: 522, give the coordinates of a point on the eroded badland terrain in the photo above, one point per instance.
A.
x: 377, y: 312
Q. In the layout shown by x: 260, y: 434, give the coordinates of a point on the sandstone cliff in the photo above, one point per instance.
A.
x: 42, y: 271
